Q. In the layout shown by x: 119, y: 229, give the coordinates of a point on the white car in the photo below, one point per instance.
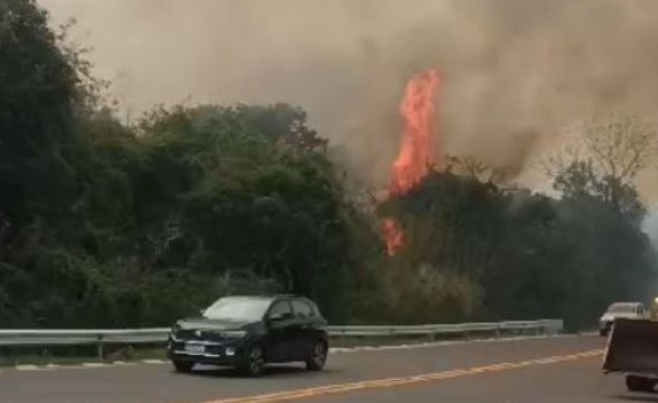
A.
x: 626, y: 310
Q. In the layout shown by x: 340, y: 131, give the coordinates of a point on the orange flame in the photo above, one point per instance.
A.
x: 417, y: 149
x: 393, y: 236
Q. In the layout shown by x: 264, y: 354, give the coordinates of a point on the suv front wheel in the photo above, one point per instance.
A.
x: 318, y: 356
x: 183, y: 366
x: 253, y: 362
x: 639, y: 384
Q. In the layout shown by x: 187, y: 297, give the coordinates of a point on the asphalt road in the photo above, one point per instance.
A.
x: 563, y: 369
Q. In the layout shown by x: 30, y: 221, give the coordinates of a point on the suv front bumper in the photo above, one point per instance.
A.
x: 204, y: 358
x: 212, y: 353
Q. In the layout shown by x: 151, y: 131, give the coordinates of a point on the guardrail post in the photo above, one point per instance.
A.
x: 99, y: 348
x: 431, y: 336
x: 498, y: 331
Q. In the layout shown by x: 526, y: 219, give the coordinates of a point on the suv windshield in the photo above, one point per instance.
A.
x: 622, y: 308
x: 238, y: 309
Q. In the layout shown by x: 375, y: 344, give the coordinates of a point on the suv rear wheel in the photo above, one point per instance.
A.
x: 318, y: 357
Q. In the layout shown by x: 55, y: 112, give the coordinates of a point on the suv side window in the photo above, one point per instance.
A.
x: 303, y: 309
x: 280, y: 309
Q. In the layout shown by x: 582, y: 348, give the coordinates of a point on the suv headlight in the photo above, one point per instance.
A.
x: 174, y: 329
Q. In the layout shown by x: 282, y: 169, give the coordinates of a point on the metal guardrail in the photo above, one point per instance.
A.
x: 496, y: 328
x: 25, y: 338
x: 43, y: 338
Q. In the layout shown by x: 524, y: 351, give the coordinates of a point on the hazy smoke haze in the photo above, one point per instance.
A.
x: 515, y: 71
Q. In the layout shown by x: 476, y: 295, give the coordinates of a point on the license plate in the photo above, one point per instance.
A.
x: 194, y: 348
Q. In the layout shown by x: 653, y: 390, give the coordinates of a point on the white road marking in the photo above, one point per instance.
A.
x: 154, y: 361
x: 52, y: 366
x: 95, y: 365
x: 27, y: 368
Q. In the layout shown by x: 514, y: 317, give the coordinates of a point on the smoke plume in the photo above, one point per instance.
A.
x: 515, y: 71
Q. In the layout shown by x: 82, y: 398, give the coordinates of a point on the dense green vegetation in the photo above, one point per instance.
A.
x: 103, y: 224
x: 511, y: 254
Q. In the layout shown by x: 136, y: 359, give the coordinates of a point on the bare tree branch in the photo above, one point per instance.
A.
x: 620, y: 146
x: 609, y: 154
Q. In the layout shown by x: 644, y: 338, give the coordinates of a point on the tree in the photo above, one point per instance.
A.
x: 42, y: 85
x: 283, y: 124
x: 474, y: 249
x: 579, y: 181
x: 243, y: 198
x: 453, y: 228
x: 610, y: 154
x: 620, y: 146
x: 601, y: 212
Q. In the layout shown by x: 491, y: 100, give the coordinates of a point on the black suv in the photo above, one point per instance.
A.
x: 248, y: 332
